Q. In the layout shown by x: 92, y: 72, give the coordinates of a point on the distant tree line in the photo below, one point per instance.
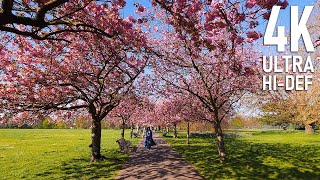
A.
x: 80, y: 122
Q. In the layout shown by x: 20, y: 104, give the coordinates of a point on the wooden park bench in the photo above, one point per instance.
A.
x: 124, y: 145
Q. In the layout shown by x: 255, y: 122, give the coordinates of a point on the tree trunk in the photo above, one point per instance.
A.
x: 167, y: 129
x: 159, y: 128
x: 123, y: 127
x: 188, y: 132
x: 221, y: 148
x: 309, y: 129
x: 175, y: 130
x: 131, y: 132
x: 96, y: 140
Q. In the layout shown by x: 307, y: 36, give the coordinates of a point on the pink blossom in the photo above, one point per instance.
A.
x: 209, y: 40
x: 220, y: 24
x: 155, y: 28
x: 119, y: 3
x: 254, y: 35
x: 208, y: 27
x: 141, y: 8
x: 215, y: 5
x: 239, y: 40
x: 253, y: 24
x: 251, y: 3
x: 240, y: 18
x: 266, y: 15
x: 132, y: 19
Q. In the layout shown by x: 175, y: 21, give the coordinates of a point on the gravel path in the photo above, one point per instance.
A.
x: 160, y: 162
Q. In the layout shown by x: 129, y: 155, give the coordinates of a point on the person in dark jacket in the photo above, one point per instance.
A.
x: 149, y: 140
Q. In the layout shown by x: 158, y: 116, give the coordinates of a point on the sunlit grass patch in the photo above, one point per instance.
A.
x: 58, y: 154
x: 261, y: 155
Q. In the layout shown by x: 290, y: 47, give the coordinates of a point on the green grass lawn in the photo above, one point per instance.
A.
x: 255, y: 155
x: 58, y: 154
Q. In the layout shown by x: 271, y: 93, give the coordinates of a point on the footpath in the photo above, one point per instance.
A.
x: 160, y: 162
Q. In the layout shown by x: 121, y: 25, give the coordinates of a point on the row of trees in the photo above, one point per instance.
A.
x: 297, y: 107
x: 91, y: 60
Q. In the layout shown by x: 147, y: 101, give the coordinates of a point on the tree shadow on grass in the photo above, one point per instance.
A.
x: 248, y: 160
x: 81, y: 168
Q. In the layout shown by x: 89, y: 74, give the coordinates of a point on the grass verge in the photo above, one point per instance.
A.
x: 58, y: 154
x: 254, y: 155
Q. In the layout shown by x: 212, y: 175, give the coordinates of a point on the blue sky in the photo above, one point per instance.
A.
x: 129, y: 8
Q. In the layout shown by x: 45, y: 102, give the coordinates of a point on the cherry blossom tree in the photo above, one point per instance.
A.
x: 206, y: 48
x: 90, y: 74
x: 179, y: 108
x: 128, y: 111
x: 217, y: 80
x: 134, y: 110
x: 145, y: 115
x: 191, y: 111
x: 168, y: 114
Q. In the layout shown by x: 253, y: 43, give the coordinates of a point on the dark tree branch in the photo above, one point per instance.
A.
x: 47, y: 7
x: 39, y: 22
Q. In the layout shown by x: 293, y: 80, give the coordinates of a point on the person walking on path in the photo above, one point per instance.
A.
x: 149, y: 140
